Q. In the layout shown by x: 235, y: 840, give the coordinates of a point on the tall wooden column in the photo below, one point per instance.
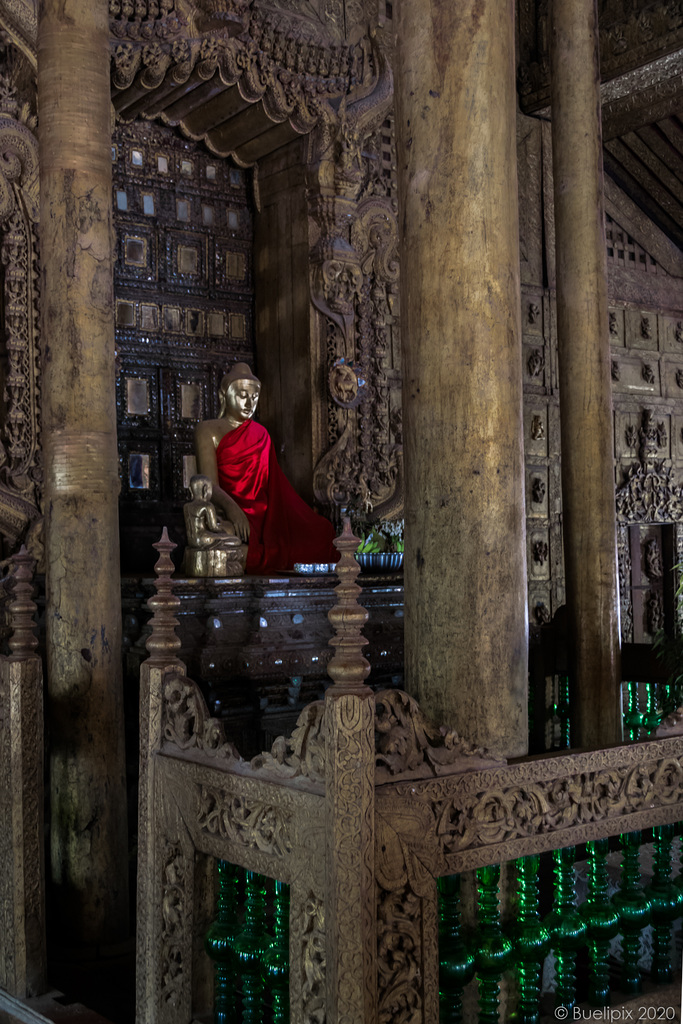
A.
x: 465, y: 567
x: 87, y: 772
x: 585, y: 382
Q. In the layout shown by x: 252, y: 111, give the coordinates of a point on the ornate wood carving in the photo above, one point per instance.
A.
x: 20, y: 461
x: 628, y: 38
x: 349, y: 805
x: 625, y: 596
x: 497, y: 815
x: 249, y: 822
x: 302, y: 753
x: 408, y: 744
x: 354, y: 285
x: 650, y: 495
x: 176, y: 904
x: 313, y: 959
x: 294, y: 65
x: 22, y: 883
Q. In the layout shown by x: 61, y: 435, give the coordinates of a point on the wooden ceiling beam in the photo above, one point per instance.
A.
x: 157, y: 100
x: 229, y: 136
x: 214, y: 112
x: 259, y: 147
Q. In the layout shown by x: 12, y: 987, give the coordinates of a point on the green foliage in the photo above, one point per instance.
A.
x: 379, y: 536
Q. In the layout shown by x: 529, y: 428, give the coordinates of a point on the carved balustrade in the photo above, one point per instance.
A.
x: 360, y: 812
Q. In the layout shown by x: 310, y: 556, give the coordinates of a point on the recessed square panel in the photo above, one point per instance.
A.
x: 208, y: 216
x: 136, y: 157
x: 136, y: 251
x: 125, y: 314
x: 189, y: 469
x: 149, y: 317
x: 235, y: 177
x: 211, y: 172
x: 114, y: 154
x: 172, y: 318
x: 162, y: 164
x: 121, y: 200
x: 137, y: 397
x: 215, y: 324
x: 194, y: 321
x: 233, y: 219
x: 186, y: 168
x: 190, y: 401
x: 148, y: 204
x: 182, y: 209
x: 234, y: 265
x: 237, y: 325
x: 138, y: 471
x: 188, y: 259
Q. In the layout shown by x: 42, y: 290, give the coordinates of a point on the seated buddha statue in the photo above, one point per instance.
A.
x: 249, y: 488
x: 212, y: 549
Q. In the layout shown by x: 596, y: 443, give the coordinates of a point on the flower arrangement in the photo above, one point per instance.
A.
x: 382, y: 536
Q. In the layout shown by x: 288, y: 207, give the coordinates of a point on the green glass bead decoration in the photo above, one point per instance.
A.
x: 218, y: 943
x: 530, y: 942
x: 276, y: 960
x: 456, y: 959
x: 563, y: 712
x: 566, y: 927
x: 633, y: 908
x: 633, y: 718
x: 250, y: 947
x: 602, y: 922
x: 651, y: 717
x: 494, y: 952
x: 665, y: 898
x: 667, y: 699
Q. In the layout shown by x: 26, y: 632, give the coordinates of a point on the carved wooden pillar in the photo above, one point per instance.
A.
x: 22, y: 879
x: 588, y: 502
x: 465, y: 565
x: 350, y: 807
x: 87, y: 781
x: 162, y: 986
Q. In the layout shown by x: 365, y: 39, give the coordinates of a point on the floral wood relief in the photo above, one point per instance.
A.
x: 20, y: 455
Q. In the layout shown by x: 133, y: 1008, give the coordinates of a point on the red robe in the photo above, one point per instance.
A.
x: 283, y: 529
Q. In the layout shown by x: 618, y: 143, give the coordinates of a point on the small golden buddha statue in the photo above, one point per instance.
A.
x: 212, y: 549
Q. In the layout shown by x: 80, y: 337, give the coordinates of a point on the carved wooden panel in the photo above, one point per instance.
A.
x: 20, y: 455
x: 644, y: 285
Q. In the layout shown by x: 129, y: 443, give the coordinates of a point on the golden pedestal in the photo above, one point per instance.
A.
x: 215, y: 561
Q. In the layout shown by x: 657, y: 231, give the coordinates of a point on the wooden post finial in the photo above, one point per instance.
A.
x: 163, y: 642
x: 23, y: 641
x: 348, y: 668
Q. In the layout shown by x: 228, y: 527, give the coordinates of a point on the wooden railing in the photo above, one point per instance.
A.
x: 360, y: 812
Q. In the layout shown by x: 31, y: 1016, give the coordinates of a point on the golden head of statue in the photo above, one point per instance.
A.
x: 238, y: 394
x: 250, y: 490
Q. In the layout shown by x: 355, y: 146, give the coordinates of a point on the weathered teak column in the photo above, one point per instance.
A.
x: 465, y: 566
x: 350, y: 899
x: 87, y: 784
x: 588, y: 504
